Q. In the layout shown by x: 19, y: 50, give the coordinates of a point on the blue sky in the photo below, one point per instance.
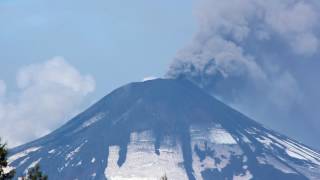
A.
x: 115, y: 41
x: 112, y: 41
x: 260, y: 57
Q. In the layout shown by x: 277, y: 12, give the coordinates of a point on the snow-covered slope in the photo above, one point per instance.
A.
x: 144, y: 130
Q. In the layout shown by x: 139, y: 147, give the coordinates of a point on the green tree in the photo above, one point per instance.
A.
x: 5, y: 172
x: 35, y: 173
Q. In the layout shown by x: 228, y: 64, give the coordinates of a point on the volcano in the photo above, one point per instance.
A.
x: 145, y: 130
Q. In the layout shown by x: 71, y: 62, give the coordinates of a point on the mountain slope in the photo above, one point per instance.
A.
x: 147, y: 129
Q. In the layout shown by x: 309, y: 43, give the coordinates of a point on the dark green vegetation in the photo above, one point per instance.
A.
x: 4, y: 163
x: 35, y: 174
x: 6, y: 173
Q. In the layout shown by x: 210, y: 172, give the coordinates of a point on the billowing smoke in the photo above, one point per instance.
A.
x: 253, y: 54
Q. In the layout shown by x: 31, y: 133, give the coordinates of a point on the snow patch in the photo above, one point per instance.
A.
x: 212, y: 137
x: 60, y: 169
x: 79, y: 163
x: 294, y: 154
x: 33, y: 164
x: 246, y: 176
x: 22, y: 154
x: 264, y: 140
x: 275, y: 163
x: 212, y: 132
x: 93, y: 120
x: 131, y: 178
x: 298, y: 152
x: 90, y: 121
x: 141, y: 160
x: 52, y: 151
x: 93, y: 174
x: 245, y: 159
x: 70, y: 155
x: 245, y: 139
x: 221, y: 136
x: 7, y: 169
x: 24, y: 161
x: 149, y: 78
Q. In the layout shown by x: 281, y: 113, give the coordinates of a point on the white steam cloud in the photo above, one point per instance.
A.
x: 48, y: 94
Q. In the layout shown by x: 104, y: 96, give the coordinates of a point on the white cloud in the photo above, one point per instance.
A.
x: 54, y: 72
x: 49, y: 93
